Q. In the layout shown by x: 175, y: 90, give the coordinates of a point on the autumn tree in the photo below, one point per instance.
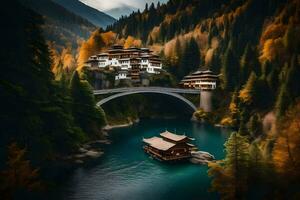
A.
x: 287, y: 145
x: 230, y: 175
x: 20, y: 176
x: 247, y: 94
x: 99, y: 40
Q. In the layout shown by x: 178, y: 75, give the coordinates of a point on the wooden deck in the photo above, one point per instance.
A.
x: 165, y: 157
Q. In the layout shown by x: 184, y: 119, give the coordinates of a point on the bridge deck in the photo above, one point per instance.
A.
x: 147, y: 89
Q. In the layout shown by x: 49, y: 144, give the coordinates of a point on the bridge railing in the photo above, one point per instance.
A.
x: 154, y: 89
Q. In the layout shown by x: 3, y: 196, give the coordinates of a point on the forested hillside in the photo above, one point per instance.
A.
x: 63, y: 29
x: 98, y: 18
x: 229, y: 40
x: 255, y: 46
x: 41, y: 120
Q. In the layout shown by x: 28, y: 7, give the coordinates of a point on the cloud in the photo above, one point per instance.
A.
x: 105, y: 5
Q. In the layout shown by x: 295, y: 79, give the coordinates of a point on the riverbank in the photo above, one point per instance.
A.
x: 121, y: 125
x: 124, y: 171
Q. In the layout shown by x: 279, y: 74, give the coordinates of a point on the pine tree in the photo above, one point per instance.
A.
x: 248, y: 93
x: 290, y: 88
x: 146, y: 8
x: 257, y: 167
x: 230, y: 176
x: 293, y: 81
x: 255, y: 126
x: 283, y: 100
x: 237, y: 161
x: 290, y: 39
x: 229, y: 70
x: 190, y: 58
x: 89, y: 118
x: 248, y: 63
x: 234, y: 109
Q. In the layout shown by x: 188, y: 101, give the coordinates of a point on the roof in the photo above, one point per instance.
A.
x: 173, y: 136
x: 102, y: 54
x: 159, y: 143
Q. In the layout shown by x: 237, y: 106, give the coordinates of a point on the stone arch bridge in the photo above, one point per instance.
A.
x: 174, y: 92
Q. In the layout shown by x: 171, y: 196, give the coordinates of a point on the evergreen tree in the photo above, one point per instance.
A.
x: 255, y: 126
x: 290, y: 39
x: 257, y: 166
x: 190, y: 60
x: 283, y: 100
x: 229, y: 70
x: 237, y: 161
x: 89, y: 118
x: 230, y: 176
x: 266, y: 69
x: 248, y: 93
x: 293, y: 81
x: 234, y: 109
x: 248, y: 63
x: 146, y: 8
x: 32, y: 112
x: 289, y: 89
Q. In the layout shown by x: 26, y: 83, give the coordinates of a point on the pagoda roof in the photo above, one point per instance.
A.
x: 159, y: 143
x: 172, y: 136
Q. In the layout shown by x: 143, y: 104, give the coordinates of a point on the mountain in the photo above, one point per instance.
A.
x: 123, y: 10
x: 257, y: 56
x: 62, y: 27
x: 98, y: 18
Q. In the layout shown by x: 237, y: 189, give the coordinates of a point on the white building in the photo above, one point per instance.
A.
x: 128, y: 62
x: 204, y: 80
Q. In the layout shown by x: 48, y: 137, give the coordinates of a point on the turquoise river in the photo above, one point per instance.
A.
x: 126, y: 172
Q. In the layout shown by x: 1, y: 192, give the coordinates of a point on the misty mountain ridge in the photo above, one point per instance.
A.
x: 93, y: 15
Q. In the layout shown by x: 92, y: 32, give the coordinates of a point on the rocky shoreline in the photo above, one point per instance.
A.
x: 88, y: 152
x: 201, y: 157
x: 130, y: 123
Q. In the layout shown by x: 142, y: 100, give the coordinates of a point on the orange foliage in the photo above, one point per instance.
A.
x: 272, y: 31
x: 286, y: 152
x: 132, y: 42
x: 154, y: 33
x: 272, y: 48
x: 108, y: 38
x: 97, y: 42
x: 19, y: 174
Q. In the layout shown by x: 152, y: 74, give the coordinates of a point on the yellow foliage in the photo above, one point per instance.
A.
x: 68, y: 60
x: 19, y: 174
x: 132, y: 42
x: 245, y: 96
x: 97, y: 42
x: 227, y: 121
x: 233, y: 108
x: 223, y: 180
x: 154, y: 33
x: 272, y: 48
x: 286, y: 152
x: 272, y: 31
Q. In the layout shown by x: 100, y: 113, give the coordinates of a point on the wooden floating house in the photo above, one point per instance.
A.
x: 169, y: 147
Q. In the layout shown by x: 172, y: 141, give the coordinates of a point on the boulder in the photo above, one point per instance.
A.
x: 201, y: 157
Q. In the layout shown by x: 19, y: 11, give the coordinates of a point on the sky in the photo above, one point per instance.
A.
x: 105, y: 5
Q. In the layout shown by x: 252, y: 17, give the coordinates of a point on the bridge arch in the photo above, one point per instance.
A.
x: 107, y: 99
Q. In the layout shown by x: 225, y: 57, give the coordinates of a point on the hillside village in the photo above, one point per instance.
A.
x: 132, y: 65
